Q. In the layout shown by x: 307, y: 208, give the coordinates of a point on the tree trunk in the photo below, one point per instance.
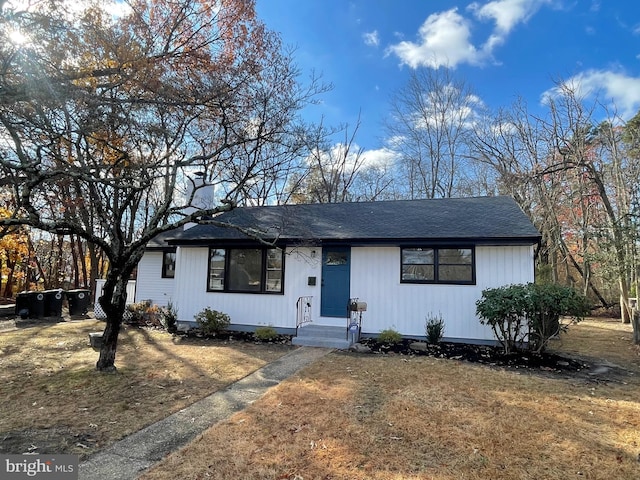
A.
x: 625, y: 308
x: 113, y: 302
x: 8, y: 287
x: 635, y: 320
x: 107, y: 359
x: 93, y: 268
x: 83, y: 264
x: 74, y: 262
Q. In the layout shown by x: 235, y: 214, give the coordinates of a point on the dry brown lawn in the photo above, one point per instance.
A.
x: 392, y: 417
x: 53, y: 400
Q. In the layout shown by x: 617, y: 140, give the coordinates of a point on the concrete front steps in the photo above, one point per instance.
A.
x: 311, y: 335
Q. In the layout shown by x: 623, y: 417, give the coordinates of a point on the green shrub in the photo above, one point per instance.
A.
x: 389, y: 336
x: 434, y: 328
x: 547, y: 303
x: 211, y: 322
x: 265, y: 334
x: 170, y: 318
x: 529, y: 313
x: 503, y: 309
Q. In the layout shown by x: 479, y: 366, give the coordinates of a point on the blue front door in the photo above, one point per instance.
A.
x: 334, y: 292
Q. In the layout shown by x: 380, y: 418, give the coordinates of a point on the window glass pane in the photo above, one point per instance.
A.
x: 169, y: 264
x: 245, y: 269
x: 216, y: 269
x: 417, y: 273
x: 454, y: 256
x: 274, y: 281
x: 455, y: 273
x: 274, y: 270
x: 336, y: 258
x: 416, y: 256
x: 274, y: 259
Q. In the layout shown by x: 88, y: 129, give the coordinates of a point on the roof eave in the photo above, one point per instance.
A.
x: 485, y: 241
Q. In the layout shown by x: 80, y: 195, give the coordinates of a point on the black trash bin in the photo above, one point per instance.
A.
x: 78, y: 301
x: 36, y: 304
x: 53, y: 303
x: 22, y: 304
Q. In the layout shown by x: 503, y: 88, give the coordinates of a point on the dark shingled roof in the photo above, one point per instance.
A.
x: 487, y: 220
x: 159, y: 242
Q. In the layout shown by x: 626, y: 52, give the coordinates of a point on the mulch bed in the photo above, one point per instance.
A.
x: 482, y: 354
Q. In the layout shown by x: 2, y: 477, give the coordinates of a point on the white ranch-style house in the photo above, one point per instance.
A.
x: 406, y: 260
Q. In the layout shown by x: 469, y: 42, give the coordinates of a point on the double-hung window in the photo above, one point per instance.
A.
x: 438, y: 265
x: 246, y: 270
x: 168, y: 264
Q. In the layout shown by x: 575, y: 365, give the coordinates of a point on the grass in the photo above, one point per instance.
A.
x: 345, y: 417
x: 391, y: 417
x: 603, y: 338
x: 53, y: 400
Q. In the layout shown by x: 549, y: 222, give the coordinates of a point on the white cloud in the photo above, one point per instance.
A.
x: 371, y: 39
x: 379, y: 158
x: 443, y: 39
x: 337, y: 156
x: 617, y: 88
x: 506, y: 14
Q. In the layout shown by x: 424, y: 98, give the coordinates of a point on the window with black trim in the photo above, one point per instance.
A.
x: 245, y: 270
x: 168, y: 264
x: 438, y: 265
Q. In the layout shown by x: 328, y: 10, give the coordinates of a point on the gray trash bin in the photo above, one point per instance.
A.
x: 78, y: 301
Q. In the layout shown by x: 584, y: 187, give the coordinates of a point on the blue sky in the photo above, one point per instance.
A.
x: 503, y: 49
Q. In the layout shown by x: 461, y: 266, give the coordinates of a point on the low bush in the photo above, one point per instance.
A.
x: 212, y: 322
x: 389, y: 336
x: 265, y: 334
x: 434, y: 328
x: 170, y: 318
x: 529, y: 314
x: 503, y: 309
x: 547, y: 303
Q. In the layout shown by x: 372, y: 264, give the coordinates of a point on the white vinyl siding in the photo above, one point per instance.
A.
x: 246, y: 308
x: 149, y: 282
x: 375, y: 279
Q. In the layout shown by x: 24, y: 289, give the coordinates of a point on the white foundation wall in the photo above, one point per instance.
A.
x: 375, y: 279
x: 149, y: 282
x: 191, y: 296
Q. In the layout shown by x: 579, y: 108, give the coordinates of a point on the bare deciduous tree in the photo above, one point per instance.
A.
x: 429, y: 121
x: 103, y: 119
x: 337, y: 172
x: 568, y: 171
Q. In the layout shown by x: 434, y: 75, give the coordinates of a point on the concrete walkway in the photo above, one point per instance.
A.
x: 126, y: 459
